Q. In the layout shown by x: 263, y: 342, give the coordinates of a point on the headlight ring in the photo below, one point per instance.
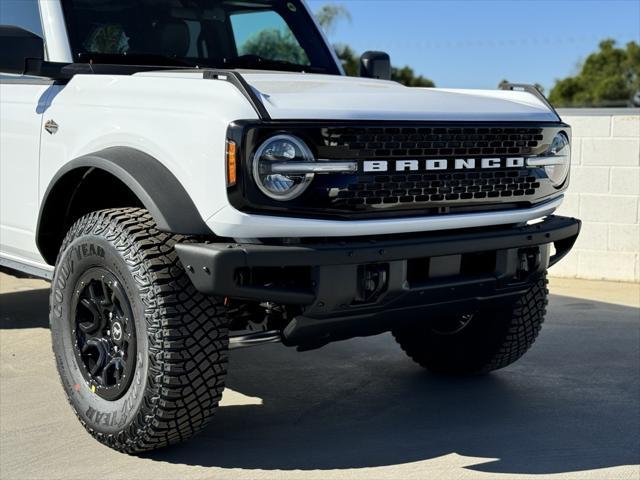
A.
x: 561, y: 150
x: 275, y: 151
x: 556, y: 161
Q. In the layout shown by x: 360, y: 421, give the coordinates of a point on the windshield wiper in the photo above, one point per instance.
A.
x: 256, y: 61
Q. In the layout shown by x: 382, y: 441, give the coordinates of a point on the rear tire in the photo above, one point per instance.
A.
x: 488, y: 340
x: 142, y: 355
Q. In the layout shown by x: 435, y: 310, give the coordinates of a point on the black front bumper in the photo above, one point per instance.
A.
x: 436, y: 271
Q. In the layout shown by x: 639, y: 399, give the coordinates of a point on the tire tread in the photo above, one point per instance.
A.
x: 525, y: 318
x: 187, y: 333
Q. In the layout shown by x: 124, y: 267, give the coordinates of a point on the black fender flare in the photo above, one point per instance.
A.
x: 157, y: 189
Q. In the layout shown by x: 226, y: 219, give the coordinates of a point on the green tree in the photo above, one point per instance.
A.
x: 275, y: 44
x: 280, y: 44
x: 406, y: 76
x: 349, y: 58
x: 609, y: 77
x: 328, y: 16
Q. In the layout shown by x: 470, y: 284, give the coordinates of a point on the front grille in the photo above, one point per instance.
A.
x: 435, y: 187
x: 396, y: 142
x: 418, y: 188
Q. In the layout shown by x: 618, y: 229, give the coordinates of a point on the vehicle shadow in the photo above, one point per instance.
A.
x: 572, y: 404
x: 24, y: 309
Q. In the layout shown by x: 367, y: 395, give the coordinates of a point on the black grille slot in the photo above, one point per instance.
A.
x: 437, y: 187
x: 386, y: 142
x: 387, y: 185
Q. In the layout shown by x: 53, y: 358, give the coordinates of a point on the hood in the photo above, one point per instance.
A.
x: 300, y: 96
x: 330, y: 97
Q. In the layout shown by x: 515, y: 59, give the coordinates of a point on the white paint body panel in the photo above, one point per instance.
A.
x: 329, y: 97
x: 181, y: 122
x: 229, y: 222
x: 181, y: 119
x: 21, y: 107
x: 307, y: 96
x: 304, y: 96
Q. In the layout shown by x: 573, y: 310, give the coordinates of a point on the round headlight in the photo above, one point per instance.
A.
x: 276, y: 152
x: 561, y: 149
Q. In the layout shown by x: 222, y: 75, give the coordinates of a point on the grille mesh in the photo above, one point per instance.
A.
x: 396, y: 142
x: 435, y: 187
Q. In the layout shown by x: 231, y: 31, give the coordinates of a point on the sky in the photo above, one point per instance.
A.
x: 478, y: 43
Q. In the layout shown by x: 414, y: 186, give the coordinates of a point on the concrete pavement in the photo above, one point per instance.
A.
x: 359, y: 409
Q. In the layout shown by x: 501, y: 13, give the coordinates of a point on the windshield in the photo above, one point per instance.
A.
x: 261, y: 34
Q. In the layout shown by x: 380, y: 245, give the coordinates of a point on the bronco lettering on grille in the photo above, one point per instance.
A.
x: 457, y: 164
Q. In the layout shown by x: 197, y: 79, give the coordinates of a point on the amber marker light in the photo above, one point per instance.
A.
x: 232, y: 171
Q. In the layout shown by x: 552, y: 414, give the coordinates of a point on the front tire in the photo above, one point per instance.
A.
x: 142, y: 355
x: 487, y: 340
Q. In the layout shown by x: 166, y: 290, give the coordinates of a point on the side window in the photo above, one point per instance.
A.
x: 21, y: 13
x: 267, y: 35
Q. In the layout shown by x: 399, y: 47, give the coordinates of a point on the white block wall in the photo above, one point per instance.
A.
x: 605, y: 194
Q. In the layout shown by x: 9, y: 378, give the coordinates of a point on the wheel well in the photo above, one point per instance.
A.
x: 77, y: 193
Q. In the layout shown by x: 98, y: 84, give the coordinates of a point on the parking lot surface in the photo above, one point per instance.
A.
x: 359, y: 409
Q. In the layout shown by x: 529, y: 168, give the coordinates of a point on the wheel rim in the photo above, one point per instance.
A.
x: 104, y: 335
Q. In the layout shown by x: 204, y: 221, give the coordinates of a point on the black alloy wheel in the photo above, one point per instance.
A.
x: 104, y: 333
x: 141, y: 354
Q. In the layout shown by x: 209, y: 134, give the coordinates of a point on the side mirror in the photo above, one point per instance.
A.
x: 375, y: 65
x: 16, y: 46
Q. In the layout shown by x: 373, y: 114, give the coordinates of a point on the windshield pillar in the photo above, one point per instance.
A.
x: 55, y: 32
x: 325, y: 39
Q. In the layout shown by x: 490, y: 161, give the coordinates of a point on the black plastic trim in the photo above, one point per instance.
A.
x: 66, y: 71
x: 157, y: 189
x: 24, y: 270
x: 246, y: 197
x: 416, y: 306
x: 375, y: 65
x: 212, y: 267
x: 16, y: 46
x: 236, y: 79
x: 533, y: 90
x: 25, y: 80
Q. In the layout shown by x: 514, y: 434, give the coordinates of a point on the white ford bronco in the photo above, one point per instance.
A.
x: 199, y: 175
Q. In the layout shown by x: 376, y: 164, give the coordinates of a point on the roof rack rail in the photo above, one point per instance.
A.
x: 532, y: 89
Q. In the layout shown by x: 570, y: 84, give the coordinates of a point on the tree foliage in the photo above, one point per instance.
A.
x: 407, y: 76
x: 328, y: 15
x: 349, y: 58
x: 275, y: 44
x: 278, y: 44
x: 608, y: 77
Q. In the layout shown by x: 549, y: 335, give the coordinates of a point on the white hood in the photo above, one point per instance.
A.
x: 300, y: 96
x: 329, y: 97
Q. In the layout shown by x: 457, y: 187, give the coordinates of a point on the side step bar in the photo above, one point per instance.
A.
x: 254, y: 339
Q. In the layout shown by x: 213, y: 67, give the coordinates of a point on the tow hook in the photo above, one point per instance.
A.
x: 530, y: 260
x: 372, y: 282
